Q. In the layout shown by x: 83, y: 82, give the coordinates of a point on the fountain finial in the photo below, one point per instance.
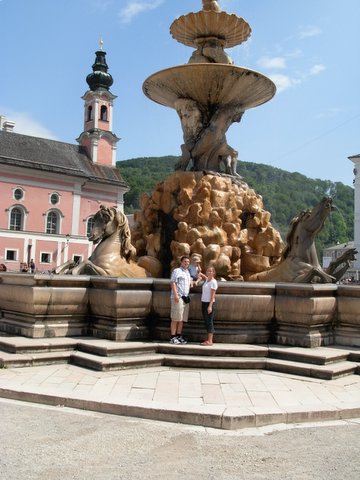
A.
x: 212, y: 5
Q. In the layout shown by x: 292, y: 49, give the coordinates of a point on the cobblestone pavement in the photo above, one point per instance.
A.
x: 44, y: 442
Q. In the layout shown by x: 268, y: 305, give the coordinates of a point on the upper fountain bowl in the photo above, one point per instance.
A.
x: 229, y: 28
x: 210, y: 84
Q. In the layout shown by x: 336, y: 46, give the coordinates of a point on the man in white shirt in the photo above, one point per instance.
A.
x: 180, y: 288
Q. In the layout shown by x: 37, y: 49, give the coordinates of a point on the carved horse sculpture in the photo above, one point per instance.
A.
x: 340, y: 265
x: 114, y: 255
x: 299, y: 261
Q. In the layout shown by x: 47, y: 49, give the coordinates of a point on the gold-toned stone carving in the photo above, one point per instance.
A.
x: 219, y: 218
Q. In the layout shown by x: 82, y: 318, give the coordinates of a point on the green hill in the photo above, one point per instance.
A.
x: 284, y: 194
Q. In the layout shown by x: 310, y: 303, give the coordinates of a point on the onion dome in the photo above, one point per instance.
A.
x: 100, y: 78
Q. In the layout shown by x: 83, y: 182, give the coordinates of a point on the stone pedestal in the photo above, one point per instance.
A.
x: 305, y: 314
x: 41, y: 306
x: 120, y: 308
x: 348, y: 316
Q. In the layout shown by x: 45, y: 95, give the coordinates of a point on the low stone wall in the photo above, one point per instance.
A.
x: 139, y: 309
x: 41, y: 306
x: 120, y: 308
x: 305, y: 314
x: 244, y: 312
x: 347, y: 331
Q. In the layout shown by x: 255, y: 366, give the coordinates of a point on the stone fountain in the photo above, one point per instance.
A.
x: 210, y: 92
x: 205, y: 207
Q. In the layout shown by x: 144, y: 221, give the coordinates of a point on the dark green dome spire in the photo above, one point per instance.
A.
x: 100, y: 78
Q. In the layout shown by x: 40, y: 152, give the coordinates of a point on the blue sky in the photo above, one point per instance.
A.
x: 310, y: 49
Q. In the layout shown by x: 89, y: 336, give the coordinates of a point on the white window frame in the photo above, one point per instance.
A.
x: 59, y: 199
x: 50, y: 258
x: 89, y: 219
x: 60, y: 215
x: 23, y: 194
x: 16, y: 250
x: 81, y: 258
x: 23, y: 219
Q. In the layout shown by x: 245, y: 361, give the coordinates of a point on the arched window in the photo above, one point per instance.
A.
x: 103, y: 113
x: 52, y: 222
x: 89, y: 226
x: 16, y: 219
x: 89, y: 113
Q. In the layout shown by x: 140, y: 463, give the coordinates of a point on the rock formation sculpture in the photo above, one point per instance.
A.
x: 217, y: 217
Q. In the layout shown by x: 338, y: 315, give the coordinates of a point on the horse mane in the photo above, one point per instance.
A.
x: 127, y: 250
x: 291, y: 232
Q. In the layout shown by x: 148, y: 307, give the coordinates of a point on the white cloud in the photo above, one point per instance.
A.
x: 316, y: 70
x: 272, y: 62
x: 282, y: 82
x: 136, y: 7
x: 310, y: 31
x: 26, y: 125
x: 331, y: 112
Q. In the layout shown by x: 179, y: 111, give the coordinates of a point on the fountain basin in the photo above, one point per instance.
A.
x: 44, y: 306
x: 230, y: 28
x: 210, y: 84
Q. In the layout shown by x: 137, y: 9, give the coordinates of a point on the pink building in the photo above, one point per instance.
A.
x: 50, y: 190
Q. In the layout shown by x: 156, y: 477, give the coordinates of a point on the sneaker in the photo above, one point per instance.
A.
x: 175, y: 341
x: 182, y: 340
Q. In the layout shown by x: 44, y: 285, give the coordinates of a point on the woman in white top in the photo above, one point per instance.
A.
x: 209, y: 288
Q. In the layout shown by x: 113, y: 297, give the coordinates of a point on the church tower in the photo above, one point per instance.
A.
x: 97, y: 137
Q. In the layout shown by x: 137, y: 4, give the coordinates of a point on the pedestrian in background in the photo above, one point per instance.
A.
x: 32, y: 266
x: 195, y: 268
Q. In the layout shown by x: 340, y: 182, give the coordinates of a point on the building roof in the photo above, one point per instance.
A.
x: 340, y: 246
x: 52, y: 156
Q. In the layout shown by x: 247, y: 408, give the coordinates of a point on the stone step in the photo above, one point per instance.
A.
x: 317, y: 356
x: 101, y: 363
x: 8, y: 360
x: 36, y: 345
x: 354, y: 356
x: 324, y: 372
x: 217, y: 350
x: 108, y: 348
x: 193, y: 361
x: 99, y: 354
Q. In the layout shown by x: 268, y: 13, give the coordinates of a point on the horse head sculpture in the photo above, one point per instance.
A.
x: 110, y: 221
x: 299, y: 261
x: 114, y: 254
x: 303, y: 229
